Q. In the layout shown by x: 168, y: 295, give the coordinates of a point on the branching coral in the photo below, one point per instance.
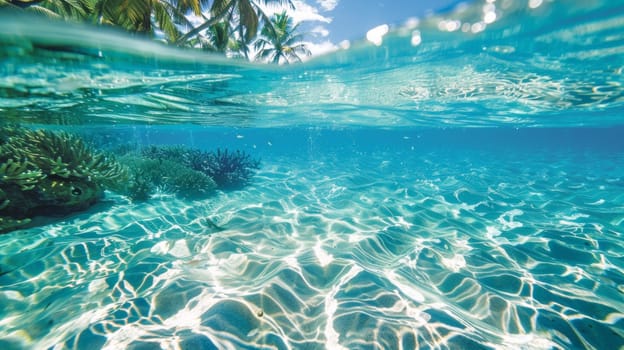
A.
x: 229, y: 170
x: 177, y: 154
x: 151, y: 175
x: 189, y: 183
x: 64, y: 155
x: 20, y: 174
x: 44, y: 172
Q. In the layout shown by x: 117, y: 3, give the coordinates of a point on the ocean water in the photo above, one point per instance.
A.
x: 458, y: 186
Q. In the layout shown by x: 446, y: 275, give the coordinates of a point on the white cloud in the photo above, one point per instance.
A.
x: 304, y: 12
x: 320, y: 48
x: 327, y: 5
x: 307, y: 11
x: 320, y: 31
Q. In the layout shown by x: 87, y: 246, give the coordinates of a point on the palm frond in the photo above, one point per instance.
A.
x: 71, y: 9
x: 220, y: 7
x: 97, y: 9
x: 219, y: 36
x: 293, y: 39
x: 184, y: 6
x: 43, y: 11
x: 248, y: 19
x: 261, y: 43
x: 165, y: 15
x: 279, y: 42
x: 288, y: 3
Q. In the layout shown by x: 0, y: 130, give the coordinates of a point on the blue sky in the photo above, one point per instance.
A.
x: 331, y: 22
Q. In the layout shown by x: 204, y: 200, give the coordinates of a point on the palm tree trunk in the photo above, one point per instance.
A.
x: 147, y: 18
x: 205, y: 25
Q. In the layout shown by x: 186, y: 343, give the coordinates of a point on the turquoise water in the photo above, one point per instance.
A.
x: 463, y: 193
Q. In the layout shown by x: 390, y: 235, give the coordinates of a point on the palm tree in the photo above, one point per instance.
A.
x: 68, y: 9
x: 240, y: 47
x: 139, y: 16
x: 215, y: 39
x: 231, y: 27
x: 144, y: 16
x: 245, y: 14
x: 279, y: 42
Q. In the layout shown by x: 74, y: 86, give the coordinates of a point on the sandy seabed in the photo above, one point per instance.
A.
x: 375, y: 250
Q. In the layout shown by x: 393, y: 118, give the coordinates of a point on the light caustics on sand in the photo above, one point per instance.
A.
x: 313, y: 257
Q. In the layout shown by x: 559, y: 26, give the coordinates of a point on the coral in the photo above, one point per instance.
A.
x: 64, y: 155
x: 20, y: 174
x: 230, y: 170
x: 8, y: 223
x: 151, y: 175
x: 189, y: 183
x: 49, y: 173
x: 178, y: 154
x: 140, y: 186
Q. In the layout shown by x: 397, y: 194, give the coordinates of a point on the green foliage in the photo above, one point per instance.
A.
x: 216, y: 39
x: 245, y: 17
x: 279, y: 41
x: 229, y: 26
x: 67, y: 9
x: 138, y: 16
x: 144, y: 16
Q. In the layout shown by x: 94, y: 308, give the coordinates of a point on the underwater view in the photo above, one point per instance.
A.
x: 455, y: 182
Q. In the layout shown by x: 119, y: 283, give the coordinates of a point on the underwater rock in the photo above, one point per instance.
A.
x: 50, y: 173
x: 51, y: 195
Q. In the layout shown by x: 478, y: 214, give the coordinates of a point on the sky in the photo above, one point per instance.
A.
x: 331, y: 23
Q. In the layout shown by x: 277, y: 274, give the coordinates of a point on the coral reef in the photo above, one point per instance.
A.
x: 50, y: 173
x: 150, y: 175
x: 229, y: 170
x: 44, y: 173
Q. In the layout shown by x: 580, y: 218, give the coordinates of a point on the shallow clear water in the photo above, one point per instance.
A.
x: 464, y: 193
